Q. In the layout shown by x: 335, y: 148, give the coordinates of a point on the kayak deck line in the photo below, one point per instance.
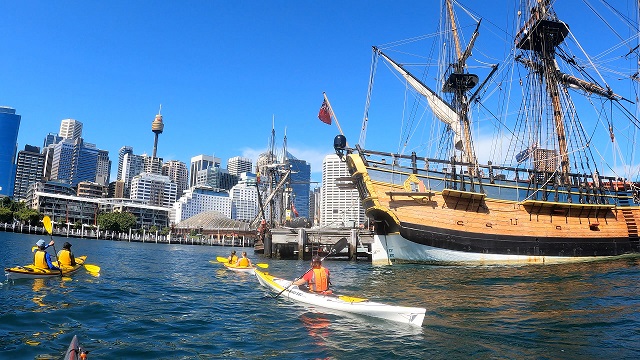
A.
x: 408, y: 315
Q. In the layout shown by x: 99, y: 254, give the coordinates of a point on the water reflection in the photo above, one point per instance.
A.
x: 317, y: 326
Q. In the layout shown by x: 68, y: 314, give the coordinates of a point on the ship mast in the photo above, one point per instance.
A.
x: 459, y: 83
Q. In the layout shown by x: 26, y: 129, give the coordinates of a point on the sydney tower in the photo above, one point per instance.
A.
x: 157, y: 126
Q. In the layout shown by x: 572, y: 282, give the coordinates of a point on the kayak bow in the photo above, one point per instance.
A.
x: 408, y: 315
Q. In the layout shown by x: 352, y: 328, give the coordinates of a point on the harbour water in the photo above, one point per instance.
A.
x: 158, y: 301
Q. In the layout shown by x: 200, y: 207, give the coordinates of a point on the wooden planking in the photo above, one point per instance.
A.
x: 504, y: 218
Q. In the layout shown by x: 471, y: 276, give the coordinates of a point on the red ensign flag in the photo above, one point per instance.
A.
x: 325, y: 115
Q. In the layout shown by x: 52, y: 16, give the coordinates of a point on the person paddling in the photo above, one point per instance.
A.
x: 233, y: 258
x: 41, y: 258
x: 317, y: 279
x: 243, y: 261
x: 65, y: 256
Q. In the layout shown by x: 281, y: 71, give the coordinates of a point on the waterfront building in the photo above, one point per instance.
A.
x: 199, y: 199
x: 9, y: 126
x: 154, y: 189
x: 238, y: 165
x: 244, y: 198
x: 216, y: 177
x: 338, y: 207
x: 177, y: 172
x: 201, y: 162
x: 29, y: 170
x: 71, y: 209
x: 70, y: 129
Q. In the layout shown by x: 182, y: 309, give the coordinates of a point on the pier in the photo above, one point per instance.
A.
x: 302, y: 243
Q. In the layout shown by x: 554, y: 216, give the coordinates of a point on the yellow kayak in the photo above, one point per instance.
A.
x: 32, y: 272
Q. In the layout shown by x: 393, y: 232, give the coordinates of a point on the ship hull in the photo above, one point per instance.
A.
x: 419, y: 223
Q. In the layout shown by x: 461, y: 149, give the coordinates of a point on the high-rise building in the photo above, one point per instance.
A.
x: 48, y: 161
x: 338, y: 207
x: 154, y: 189
x: 216, y: 178
x: 133, y: 165
x: 123, y: 150
x: 238, y: 165
x: 29, y: 169
x: 244, y: 198
x: 75, y: 160
x: 70, y: 129
x: 51, y: 139
x: 9, y: 126
x: 177, y: 172
x: 201, y: 162
x: 103, y: 171
x: 300, y: 184
x: 199, y: 199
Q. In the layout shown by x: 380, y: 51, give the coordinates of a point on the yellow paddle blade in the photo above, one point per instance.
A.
x: 264, y: 266
x: 222, y: 259
x: 47, y: 224
x: 351, y: 299
x: 92, y: 268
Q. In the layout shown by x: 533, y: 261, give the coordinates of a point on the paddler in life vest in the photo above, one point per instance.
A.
x: 65, y: 256
x: 243, y: 261
x: 41, y: 258
x: 317, y: 279
x: 233, y: 258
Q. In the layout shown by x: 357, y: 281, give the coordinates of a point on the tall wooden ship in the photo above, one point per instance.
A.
x: 550, y: 198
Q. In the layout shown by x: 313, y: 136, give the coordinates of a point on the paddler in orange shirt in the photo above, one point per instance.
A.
x: 317, y: 279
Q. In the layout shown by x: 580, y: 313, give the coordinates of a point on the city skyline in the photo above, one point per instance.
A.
x: 224, y: 72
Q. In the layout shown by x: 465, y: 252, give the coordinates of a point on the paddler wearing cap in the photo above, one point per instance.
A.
x: 317, y: 279
x: 65, y: 256
x: 41, y: 258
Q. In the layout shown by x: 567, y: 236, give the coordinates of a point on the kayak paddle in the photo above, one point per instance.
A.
x: 92, y: 268
x: 337, y: 247
x: 47, y: 225
x: 224, y: 260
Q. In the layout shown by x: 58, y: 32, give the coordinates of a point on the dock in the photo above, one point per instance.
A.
x: 303, y: 243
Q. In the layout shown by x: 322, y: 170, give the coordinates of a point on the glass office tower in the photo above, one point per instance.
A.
x: 9, y: 126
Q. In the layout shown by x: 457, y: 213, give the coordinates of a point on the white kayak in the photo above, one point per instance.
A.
x: 408, y: 315
x: 247, y: 269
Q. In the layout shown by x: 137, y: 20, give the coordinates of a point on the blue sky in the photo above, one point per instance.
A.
x: 222, y: 70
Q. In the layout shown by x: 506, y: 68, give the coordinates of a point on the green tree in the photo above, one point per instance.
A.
x: 153, y: 229
x: 165, y: 231
x: 117, y: 221
x: 28, y: 216
x: 6, y: 215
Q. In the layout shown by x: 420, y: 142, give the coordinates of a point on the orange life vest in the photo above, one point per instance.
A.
x: 39, y: 259
x: 64, y: 257
x: 319, y: 280
x: 244, y: 262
